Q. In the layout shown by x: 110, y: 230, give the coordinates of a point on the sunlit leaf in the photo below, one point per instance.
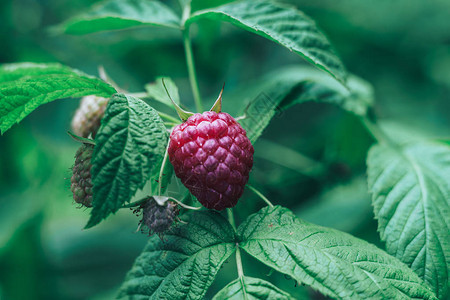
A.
x: 121, y: 14
x: 411, y: 194
x: 332, y: 262
x: 26, y: 86
x: 282, y: 24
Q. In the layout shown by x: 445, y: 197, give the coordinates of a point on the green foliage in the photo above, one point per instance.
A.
x: 16, y: 71
x: 185, y: 263
x: 282, y: 24
x: 357, y: 98
x: 333, y: 262
x: 249, y: 288
x: 284, y: 88
x: 156, y: 91
x: 121, y: 14
x: 26, y: 86
x: 411, y: 192
x: 409, y: 178
x: 129, y: 150
x: 344, y: 206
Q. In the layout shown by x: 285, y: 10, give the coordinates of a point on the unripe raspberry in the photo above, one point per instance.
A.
x: 88, y: 116
x: 212, y: 156
x: 158, y: 218
x: 81, y: 183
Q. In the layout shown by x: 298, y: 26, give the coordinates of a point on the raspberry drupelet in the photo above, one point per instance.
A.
x: 212, y: 156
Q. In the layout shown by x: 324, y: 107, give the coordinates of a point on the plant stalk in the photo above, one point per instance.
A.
x: 240, y: 269
x: 231, y: 218
x: 378, y: 134
x: 134, y: 204
x: 260, y: 195
x: 239, y: 266
x: 190, y: 60
x: 168, y: 117
x: 161, y: 171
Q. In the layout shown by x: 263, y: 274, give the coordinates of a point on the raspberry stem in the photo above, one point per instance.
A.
x: 260, y: 195
x: 231, y: 218
x: 135, y: 203
x: 240, y: 268
x: 377, y: 133
x: 168, y: 117
x: 161, y: 171
x: 190, y: 60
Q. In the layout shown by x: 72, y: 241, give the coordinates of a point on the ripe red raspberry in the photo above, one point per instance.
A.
x: 212, y: 156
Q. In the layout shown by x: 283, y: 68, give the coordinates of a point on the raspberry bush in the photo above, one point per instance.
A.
x: 190, y: 176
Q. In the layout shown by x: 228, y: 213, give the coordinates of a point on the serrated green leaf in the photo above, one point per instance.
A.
x: 15, y: 71
x: 282, y: 24
x: 157, y: 92
x: 276, y: 92
x: 332, y: 262
x: 250, y: 288
x: 26, y: 86
x: 357, y: 98
x: 121, y: 14
x: 411, y: 194
x: 185, y: 263
x: 130, y: 147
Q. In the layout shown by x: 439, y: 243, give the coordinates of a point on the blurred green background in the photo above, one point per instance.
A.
x: 311, y: 158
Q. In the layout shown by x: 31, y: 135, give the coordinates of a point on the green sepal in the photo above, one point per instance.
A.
x: 184, y: 115
x: 217, y: 107
x: 80, y: 139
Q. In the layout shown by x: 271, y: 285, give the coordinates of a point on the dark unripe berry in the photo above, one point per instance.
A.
x: 212, y: 156
x: 158, y: 218
x: 81, y: 182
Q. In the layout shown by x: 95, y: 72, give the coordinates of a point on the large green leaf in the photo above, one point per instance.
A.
x: 121, y: 14
x: 26, y: 86
x: 332, y: 262
x: 282, y: 24
x: 26, y: 70
x: 276, y: 92
x: 249, y: 288
x: 411, y: 195
x: 130, y: 147
x: 185, y: 263
x: 357, y: 98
